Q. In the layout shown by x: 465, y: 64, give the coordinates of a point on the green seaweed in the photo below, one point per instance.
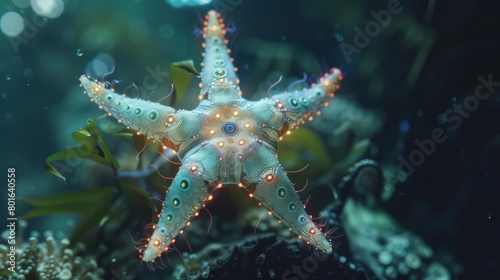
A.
x: 92, y: 147
x: 182, y: 73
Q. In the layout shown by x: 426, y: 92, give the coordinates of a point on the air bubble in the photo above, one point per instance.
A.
x: 79, y: 52
x: 8, y: 77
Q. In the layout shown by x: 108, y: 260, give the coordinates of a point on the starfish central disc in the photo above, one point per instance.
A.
x: 230, y: 128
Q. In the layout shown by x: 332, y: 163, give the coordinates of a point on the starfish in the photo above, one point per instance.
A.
x: 225, y: 140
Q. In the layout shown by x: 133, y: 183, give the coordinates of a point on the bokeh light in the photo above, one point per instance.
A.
x: 181, y: 3
x: 12, y: 24
x: 102, y: 64
x: 48, y: 8
x: 21, y: 3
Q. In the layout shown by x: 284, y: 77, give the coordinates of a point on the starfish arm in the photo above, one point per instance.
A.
x: 145, y: 117
x: 277, y: 194
x: 217, y: 64
x: 297, y: 107
x: 185, y: 197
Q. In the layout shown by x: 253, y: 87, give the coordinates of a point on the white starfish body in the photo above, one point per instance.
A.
x: 225, y: 140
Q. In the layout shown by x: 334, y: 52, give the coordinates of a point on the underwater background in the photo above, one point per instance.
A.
x: 420, y: 97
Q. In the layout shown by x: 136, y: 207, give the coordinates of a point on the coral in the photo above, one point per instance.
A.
x: 52, y: 258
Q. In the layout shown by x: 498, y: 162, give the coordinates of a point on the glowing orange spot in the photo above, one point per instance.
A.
x: 312, y: 231
x: 221, y: 144
x: 326, y: 83
x: 181, y: 231
x: 173, y: 240
x: 203, y: 45
x: 250, y: 195
x: 188, y: 224
x: 228, y: 50
x: 318, y: 113
x: 156, y: 242
x: 326, y: 103
x: 240, y: 185
x: 217, y: 116
x: 196, y: 214
x: 219, y: 186
x: 212, y: 131
x: 269, y: 213
x: 269, y: 177
x: 310, y: 118
x: 288, y: 132
x: 235, y: 113
x: 210, y: 197
x: 166, y: 249
x: 193, y: 168
x: 170, y: 120
x: 340, y: 78
x: 247, y: 125
x: 241, y: 142
x: 97, y: 89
